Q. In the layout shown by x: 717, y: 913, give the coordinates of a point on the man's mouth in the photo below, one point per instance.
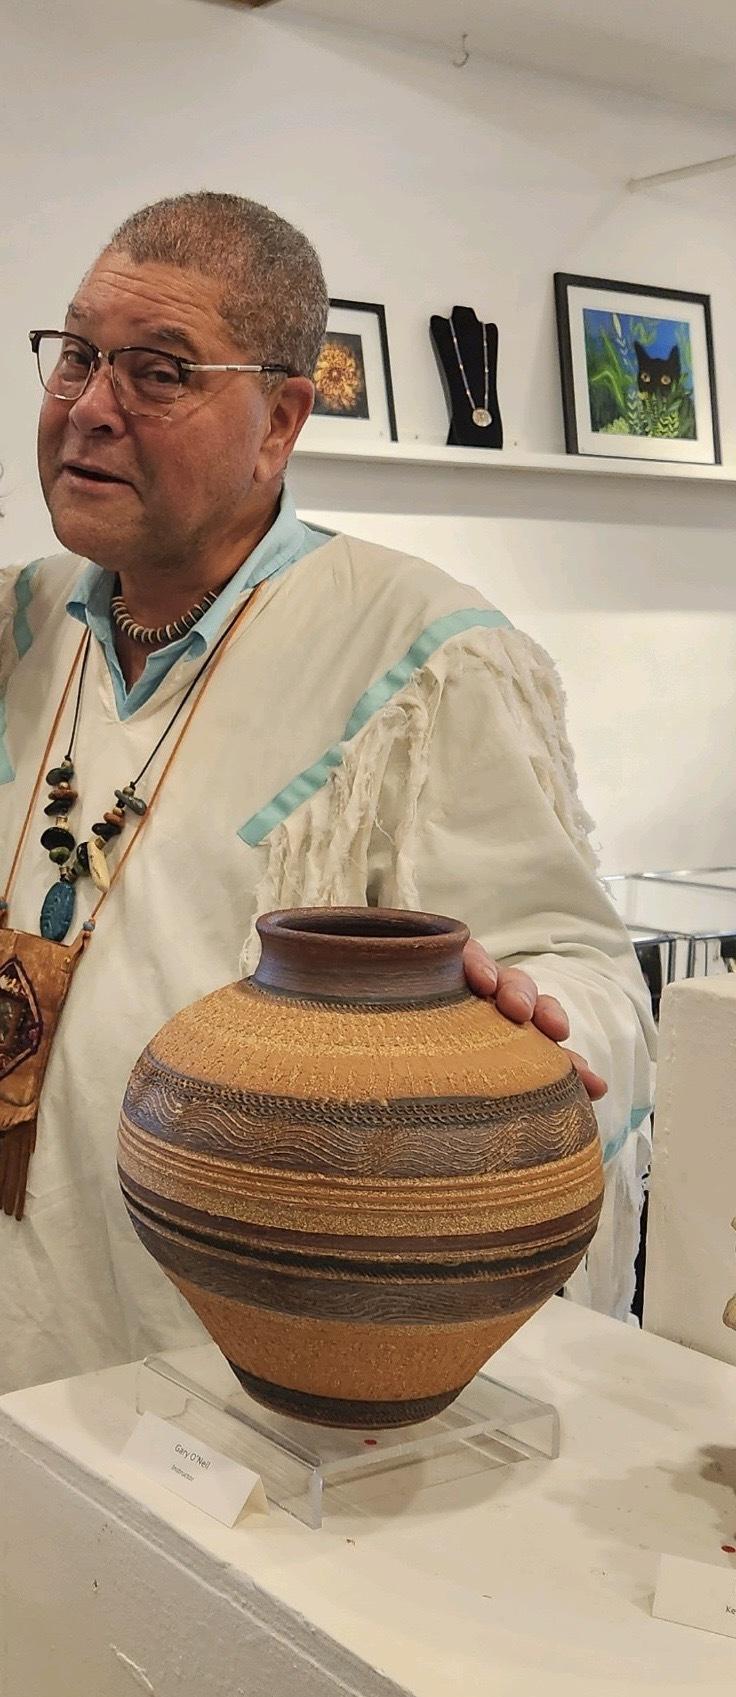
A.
x: 91, y: 474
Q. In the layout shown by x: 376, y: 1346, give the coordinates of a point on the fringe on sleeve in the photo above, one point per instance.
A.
x: 319, y: 856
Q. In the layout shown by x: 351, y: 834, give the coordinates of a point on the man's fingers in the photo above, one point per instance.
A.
x: 516, y: 997
x: 480, y: 971
x: 516, y: 994
x: 550, y: 1017
x: 594, y: 1084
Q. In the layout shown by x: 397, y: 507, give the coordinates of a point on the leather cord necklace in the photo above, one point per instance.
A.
x: 36, y: 971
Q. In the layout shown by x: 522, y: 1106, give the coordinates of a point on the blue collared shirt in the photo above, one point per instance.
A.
x: 288, y: 540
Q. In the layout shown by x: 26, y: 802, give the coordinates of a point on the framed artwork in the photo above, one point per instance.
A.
x: 637, y: 370
x: 355, y: 396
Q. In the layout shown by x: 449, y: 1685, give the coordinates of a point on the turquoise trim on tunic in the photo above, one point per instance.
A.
x: 615, y: 1144
x: 308, y: 782
x: 22, y: 638
x: 22, y: 633
x: 7, y: 773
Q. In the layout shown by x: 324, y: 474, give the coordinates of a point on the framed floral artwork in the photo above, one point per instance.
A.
x: 638, y: 371
x: 355, y: 398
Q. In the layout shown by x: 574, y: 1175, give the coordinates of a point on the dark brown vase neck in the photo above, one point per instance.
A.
x: 362, y: 954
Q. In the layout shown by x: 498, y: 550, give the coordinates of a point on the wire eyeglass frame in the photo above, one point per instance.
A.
x: 180, y: 366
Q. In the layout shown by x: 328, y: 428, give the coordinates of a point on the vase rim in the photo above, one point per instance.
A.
x: 399, y: 926
x: 362, y: 954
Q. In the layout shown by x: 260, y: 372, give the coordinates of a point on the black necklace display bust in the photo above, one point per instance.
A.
x: 467, y: 356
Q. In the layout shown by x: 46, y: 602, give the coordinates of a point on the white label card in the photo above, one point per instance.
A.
x: 696, y: 1594
x: 194, y: 1471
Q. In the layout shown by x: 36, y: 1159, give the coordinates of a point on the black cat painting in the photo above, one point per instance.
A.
x: 639, y: 371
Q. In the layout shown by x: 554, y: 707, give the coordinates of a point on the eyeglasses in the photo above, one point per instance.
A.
x: 147, y: 382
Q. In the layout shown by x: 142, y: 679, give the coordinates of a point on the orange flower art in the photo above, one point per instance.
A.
x: 339, y: 378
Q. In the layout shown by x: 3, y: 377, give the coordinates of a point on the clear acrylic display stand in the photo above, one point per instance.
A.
x: 304, y: 1466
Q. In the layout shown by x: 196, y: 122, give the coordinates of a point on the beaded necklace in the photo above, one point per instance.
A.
x: 36, y: 971
x: 156, y: 636
x: 88, y: 859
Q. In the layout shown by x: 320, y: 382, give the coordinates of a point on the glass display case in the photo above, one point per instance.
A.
x: 682, y: 923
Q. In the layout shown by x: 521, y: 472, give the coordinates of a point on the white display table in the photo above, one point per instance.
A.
x: 534, y: 1579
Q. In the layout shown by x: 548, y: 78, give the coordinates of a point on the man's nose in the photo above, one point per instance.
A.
x: 98, y: 407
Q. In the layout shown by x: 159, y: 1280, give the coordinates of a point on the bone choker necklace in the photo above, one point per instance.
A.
x: 156, y: 636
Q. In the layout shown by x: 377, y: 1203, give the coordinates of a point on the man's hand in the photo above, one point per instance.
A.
x: 516, y: 995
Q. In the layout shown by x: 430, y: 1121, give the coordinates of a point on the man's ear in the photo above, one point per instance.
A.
x: 291, y: 404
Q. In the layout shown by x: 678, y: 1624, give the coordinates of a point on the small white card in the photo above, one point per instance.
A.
x: 696, y: 1594
x: 194, y: 1471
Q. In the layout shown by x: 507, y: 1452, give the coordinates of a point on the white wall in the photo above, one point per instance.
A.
x: 423, y: 186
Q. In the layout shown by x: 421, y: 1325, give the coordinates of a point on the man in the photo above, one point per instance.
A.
x: 232, y: 712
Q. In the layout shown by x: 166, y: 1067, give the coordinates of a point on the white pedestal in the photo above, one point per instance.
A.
x: 523, y: 1581
x: 691, y: 1248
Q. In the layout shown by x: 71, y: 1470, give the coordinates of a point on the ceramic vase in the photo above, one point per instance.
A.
x: 362, y: 1177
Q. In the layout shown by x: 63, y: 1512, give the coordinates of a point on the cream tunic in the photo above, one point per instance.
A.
x: 375, y: 733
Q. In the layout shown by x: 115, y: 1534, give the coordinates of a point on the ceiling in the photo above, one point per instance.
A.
x: 678, y: 50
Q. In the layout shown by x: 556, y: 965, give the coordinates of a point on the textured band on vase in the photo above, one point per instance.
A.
x: 341, y: 1411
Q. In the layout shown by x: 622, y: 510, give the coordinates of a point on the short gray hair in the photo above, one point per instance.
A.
x: 274, y: 295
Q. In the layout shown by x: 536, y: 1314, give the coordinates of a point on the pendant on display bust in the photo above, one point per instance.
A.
x: 466, y: 351
x: 480, y: 415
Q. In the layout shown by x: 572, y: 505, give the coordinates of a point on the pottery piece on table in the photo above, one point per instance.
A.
x: 362, y: 1177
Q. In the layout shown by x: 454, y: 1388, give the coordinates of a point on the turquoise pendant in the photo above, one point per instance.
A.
x: 58, y: 911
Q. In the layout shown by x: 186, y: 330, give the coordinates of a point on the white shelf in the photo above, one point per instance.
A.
x: 510, y: 459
